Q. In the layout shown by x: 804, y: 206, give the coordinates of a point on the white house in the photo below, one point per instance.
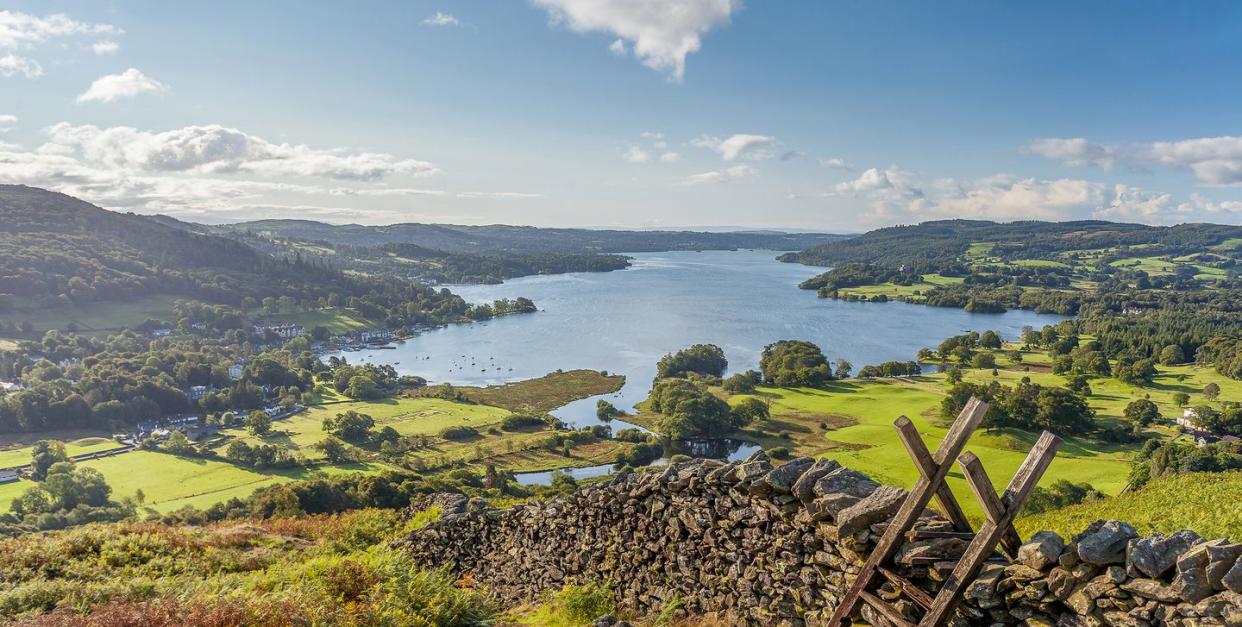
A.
x: 8, y: 476
x: 1187, y: 419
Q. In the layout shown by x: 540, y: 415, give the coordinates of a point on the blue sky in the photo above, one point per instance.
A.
x: 838, y: 116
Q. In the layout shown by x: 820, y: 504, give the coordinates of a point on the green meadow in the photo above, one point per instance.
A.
x: 19, y: 455
x: 338, y: 320
x: 97, y: 319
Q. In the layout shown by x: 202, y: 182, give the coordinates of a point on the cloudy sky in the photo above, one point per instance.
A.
x: 813, y: 114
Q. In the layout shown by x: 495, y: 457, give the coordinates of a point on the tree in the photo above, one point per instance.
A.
x: 794, y: 363
x: 46, y: 453
x: 363, y: 387
x: 334, y: 450
x: 707, y: 359
x: 258, y: 423
x: 351, y: 426
x: 1172, y: 355
x: 1211, y: 391
x: 843, y: 369
x: 990, y: 340
x: 984, y: 360
x: 1181, y: 399
x: 606, y: 411
x: 1142, y: 412
x: 742, y: 382
x: 689, y: 409
x: 751, y: 410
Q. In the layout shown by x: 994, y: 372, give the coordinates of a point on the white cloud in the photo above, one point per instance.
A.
x: 23, y: 32
x: 199, y: 173
x: 634, y: 154
x: 836, y: 163
x: 1006, y: 197
x: 738, y: 146
x: 726, y: 175
x: 670, y: 157
x: 11, y: 64
x: 875, y: 179
x: 105, y: 47
x: 7, y: 120
x: 661, y: 33
x: 1075, y: 151
x: 618, y: 48
x: 1134, y: 204
x: 1212, y: 160
x: 439, y: 18
x: 127, y: 84
x: 217, y: 148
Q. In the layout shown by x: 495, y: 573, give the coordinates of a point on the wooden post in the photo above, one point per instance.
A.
x: 1000, y: 513
x: 920, y: 495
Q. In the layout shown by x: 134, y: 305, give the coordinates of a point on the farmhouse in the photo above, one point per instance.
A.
x: 285, y: 331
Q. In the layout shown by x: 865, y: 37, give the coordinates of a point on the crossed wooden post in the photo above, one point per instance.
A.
x: 997, y: 527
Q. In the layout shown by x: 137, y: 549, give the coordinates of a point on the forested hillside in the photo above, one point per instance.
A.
x: 58, y: 251
x: 527, y: 239
x: 946, y: 241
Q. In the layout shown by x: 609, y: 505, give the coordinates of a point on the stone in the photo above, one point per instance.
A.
x: 1042, y: 550
x: 1150, y: 589
x: 1197, y: 556
x: 782, y: 478
x: 1232, y: 580
x: 879, y: 505
x: 1221, y: 558
x: 1192, y: 584
x: 827, y: 507
x: 804, y: 487
x: 845, y: 481
x: 941, y: 548
x: 1104, y: 542
x: 1154, y: 555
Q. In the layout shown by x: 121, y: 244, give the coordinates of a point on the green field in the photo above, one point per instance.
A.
x: 409, y: 416
x: 871, y: 445
x: 912, y: 293
x: 852, y: 421
x: 1167, y: 504
x: 98, y: 318
x: 1039, y: 263
x: 338, y: 320
x: 10, y: 491
x: 20, y: 455
x: 170, y: 482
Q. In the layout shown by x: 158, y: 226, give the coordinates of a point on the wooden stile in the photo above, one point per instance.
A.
x: 997, y: 528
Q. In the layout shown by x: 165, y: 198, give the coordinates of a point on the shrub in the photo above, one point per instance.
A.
x: 459, y: 433
x: 514, y: 422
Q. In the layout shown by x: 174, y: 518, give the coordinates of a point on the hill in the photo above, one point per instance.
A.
x: 945, y: 241
x: 525, y: 239
x: 60, y: 252
x: 1209, y: 503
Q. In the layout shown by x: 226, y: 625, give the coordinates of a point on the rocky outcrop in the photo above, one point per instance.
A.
x: 753, y: 544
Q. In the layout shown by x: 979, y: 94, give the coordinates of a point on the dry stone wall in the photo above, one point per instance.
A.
x: 749, y: 543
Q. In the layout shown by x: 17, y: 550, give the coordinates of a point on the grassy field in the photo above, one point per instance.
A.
x: 1167, y: 504
x: 912, y: 293
x: 541, y: 395
x: 98, y: 318
x: 852, y: 421
x: 20, y: 454
x: 170, y: 482
x: 409, y: 416
x: 10, y: 491
x: 338, y: 320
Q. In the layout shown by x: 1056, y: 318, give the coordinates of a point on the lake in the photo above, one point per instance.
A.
x: 624, y: 321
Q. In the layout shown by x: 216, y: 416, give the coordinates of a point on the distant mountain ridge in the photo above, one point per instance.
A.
x: 943, y: 241
x: 524, y: 239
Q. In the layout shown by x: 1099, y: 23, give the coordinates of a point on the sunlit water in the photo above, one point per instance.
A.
x: 624, y: 321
